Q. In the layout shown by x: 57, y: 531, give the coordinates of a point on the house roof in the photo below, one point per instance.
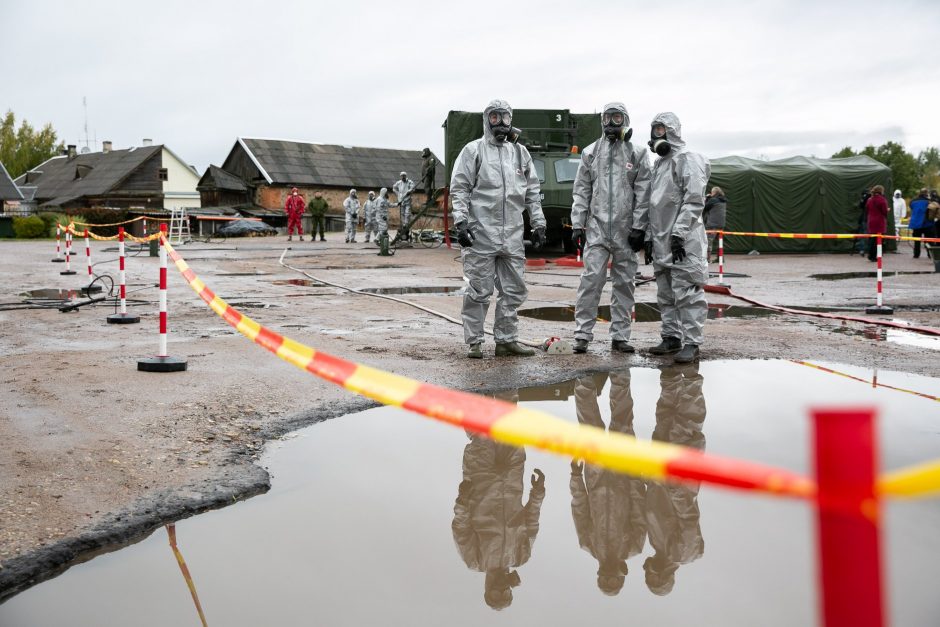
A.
x: 284, y: 162
x: 103, y: 171
x: 8, y: 189
x: 217, y: 178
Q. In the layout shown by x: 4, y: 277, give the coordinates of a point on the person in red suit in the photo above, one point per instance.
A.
x: 877, y: 208
x: 294, y: 208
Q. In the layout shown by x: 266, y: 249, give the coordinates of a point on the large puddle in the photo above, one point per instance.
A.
x: 424, y: 289
x: 645, y: 312
x: 842, y: 276
x: 387, y: 518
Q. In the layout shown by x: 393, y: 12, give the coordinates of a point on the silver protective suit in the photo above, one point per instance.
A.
x: 380, y: 217
x: 351, y: 205
x: 676, y: 201
x: 492, y: 184
x: 672, y: 511
x: 403, y: 190
x: 369, y: 218
x: 610, y: 186
x: 608, y: 507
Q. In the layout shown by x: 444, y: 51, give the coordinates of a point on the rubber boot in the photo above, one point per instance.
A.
x: 621, y: 346
x: 687, y: 355
x: 668, y: 345
x: 513, y: 348
x: 475, y: 352
x: 580, y: 346
x: 290, y: 237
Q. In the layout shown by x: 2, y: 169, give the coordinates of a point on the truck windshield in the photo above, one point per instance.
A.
x: 539, y: 169
x: 565, y: 169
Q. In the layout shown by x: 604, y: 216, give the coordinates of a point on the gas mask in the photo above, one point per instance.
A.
x: 500, y: 122
x: 614, y: 123
x: 658, y: 143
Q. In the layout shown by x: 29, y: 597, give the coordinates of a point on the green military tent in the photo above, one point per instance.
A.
x: 796, y: 195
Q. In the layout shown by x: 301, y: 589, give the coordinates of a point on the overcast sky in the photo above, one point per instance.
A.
x: 756, y: 79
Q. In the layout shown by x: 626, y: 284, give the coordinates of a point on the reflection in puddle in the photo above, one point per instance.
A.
x: 52, y: 294
x: 430, y: 289
x: 896, y: 336
x: 645, y: 312
x: 299, y: 282
x: 841, y: 276
x: 385, y: 518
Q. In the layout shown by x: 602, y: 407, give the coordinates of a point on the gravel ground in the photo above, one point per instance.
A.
x: 95, y: 454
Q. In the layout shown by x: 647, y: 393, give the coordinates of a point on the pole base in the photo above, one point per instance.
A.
x: 91, y: 289
x: 123, y: 318
x: 161, y: 364
x: 722, y: 284
x: 57, y: 260
x: 879, y: 310
x: 68, y: 272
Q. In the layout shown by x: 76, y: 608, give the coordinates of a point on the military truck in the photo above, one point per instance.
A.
x: 554, y: 138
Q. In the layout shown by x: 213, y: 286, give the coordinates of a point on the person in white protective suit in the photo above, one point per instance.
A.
x: 493, y: 182
x: 670, y: 229
x: 610, y: 186
x: 351, y: 205
x: 900, y: 206
x: 368, y: 209
x: 403, y: 189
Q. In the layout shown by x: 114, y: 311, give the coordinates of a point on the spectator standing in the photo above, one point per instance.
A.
x: 877, y: 209
x: 920, y: 226
x: 714, y: 214
x: 862, y: 226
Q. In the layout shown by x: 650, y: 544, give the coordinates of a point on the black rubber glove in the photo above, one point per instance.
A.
x: 538, y: 479
x: 648, y: 252
x: 577, y: 238
x: 538, y: 237
x: 464, y: 235
x: 635, y: 239
x: 678, y: 252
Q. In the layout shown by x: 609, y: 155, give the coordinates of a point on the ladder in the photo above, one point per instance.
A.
x: 179, y: 226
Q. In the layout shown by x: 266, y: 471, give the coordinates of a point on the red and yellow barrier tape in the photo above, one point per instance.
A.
x: 171, y: 534
x: 138, y: 218
x: 141, y: 240
x: 918, y: 481
x: 825, y: 235
x: 506, y: 422
x: 872, y: 383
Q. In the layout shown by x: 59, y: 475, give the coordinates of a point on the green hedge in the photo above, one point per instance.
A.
x: 30, y: 227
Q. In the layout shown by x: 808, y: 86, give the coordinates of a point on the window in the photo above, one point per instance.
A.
x: 539, y: 169
x: 565, y: 170
x: 163, y: 175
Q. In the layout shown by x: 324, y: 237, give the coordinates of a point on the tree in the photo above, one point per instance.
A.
x: 905, y: 168
x: 24, y: 148
x: 929, y: 161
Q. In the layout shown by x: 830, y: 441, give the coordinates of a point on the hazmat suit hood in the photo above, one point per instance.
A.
x: 897, y: 193
x: 673, y: 129
x: 383, y: 193
x: 616, y: 106
x: 498, y: 588
x: 660, y: 574
x: 371, y: 195
x: 496, y: 103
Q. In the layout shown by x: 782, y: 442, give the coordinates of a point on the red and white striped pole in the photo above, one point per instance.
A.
x: 145, y: 227
x: 721, y: 258
x: 58, y: 246
x: 68, y: 252
x: 848, y: 518
x: 162, y: 362
x: 88, y: 289
x: 879, y: 307
x: 123, y: 317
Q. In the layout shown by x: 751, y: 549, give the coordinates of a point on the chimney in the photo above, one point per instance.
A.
x: 71, y: 151
x: 147, y: 142
x: 106, y: 146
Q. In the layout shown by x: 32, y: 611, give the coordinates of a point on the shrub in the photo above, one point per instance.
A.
x: 49, y: 218
x: 30, y: 227
x: 102, y: 215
